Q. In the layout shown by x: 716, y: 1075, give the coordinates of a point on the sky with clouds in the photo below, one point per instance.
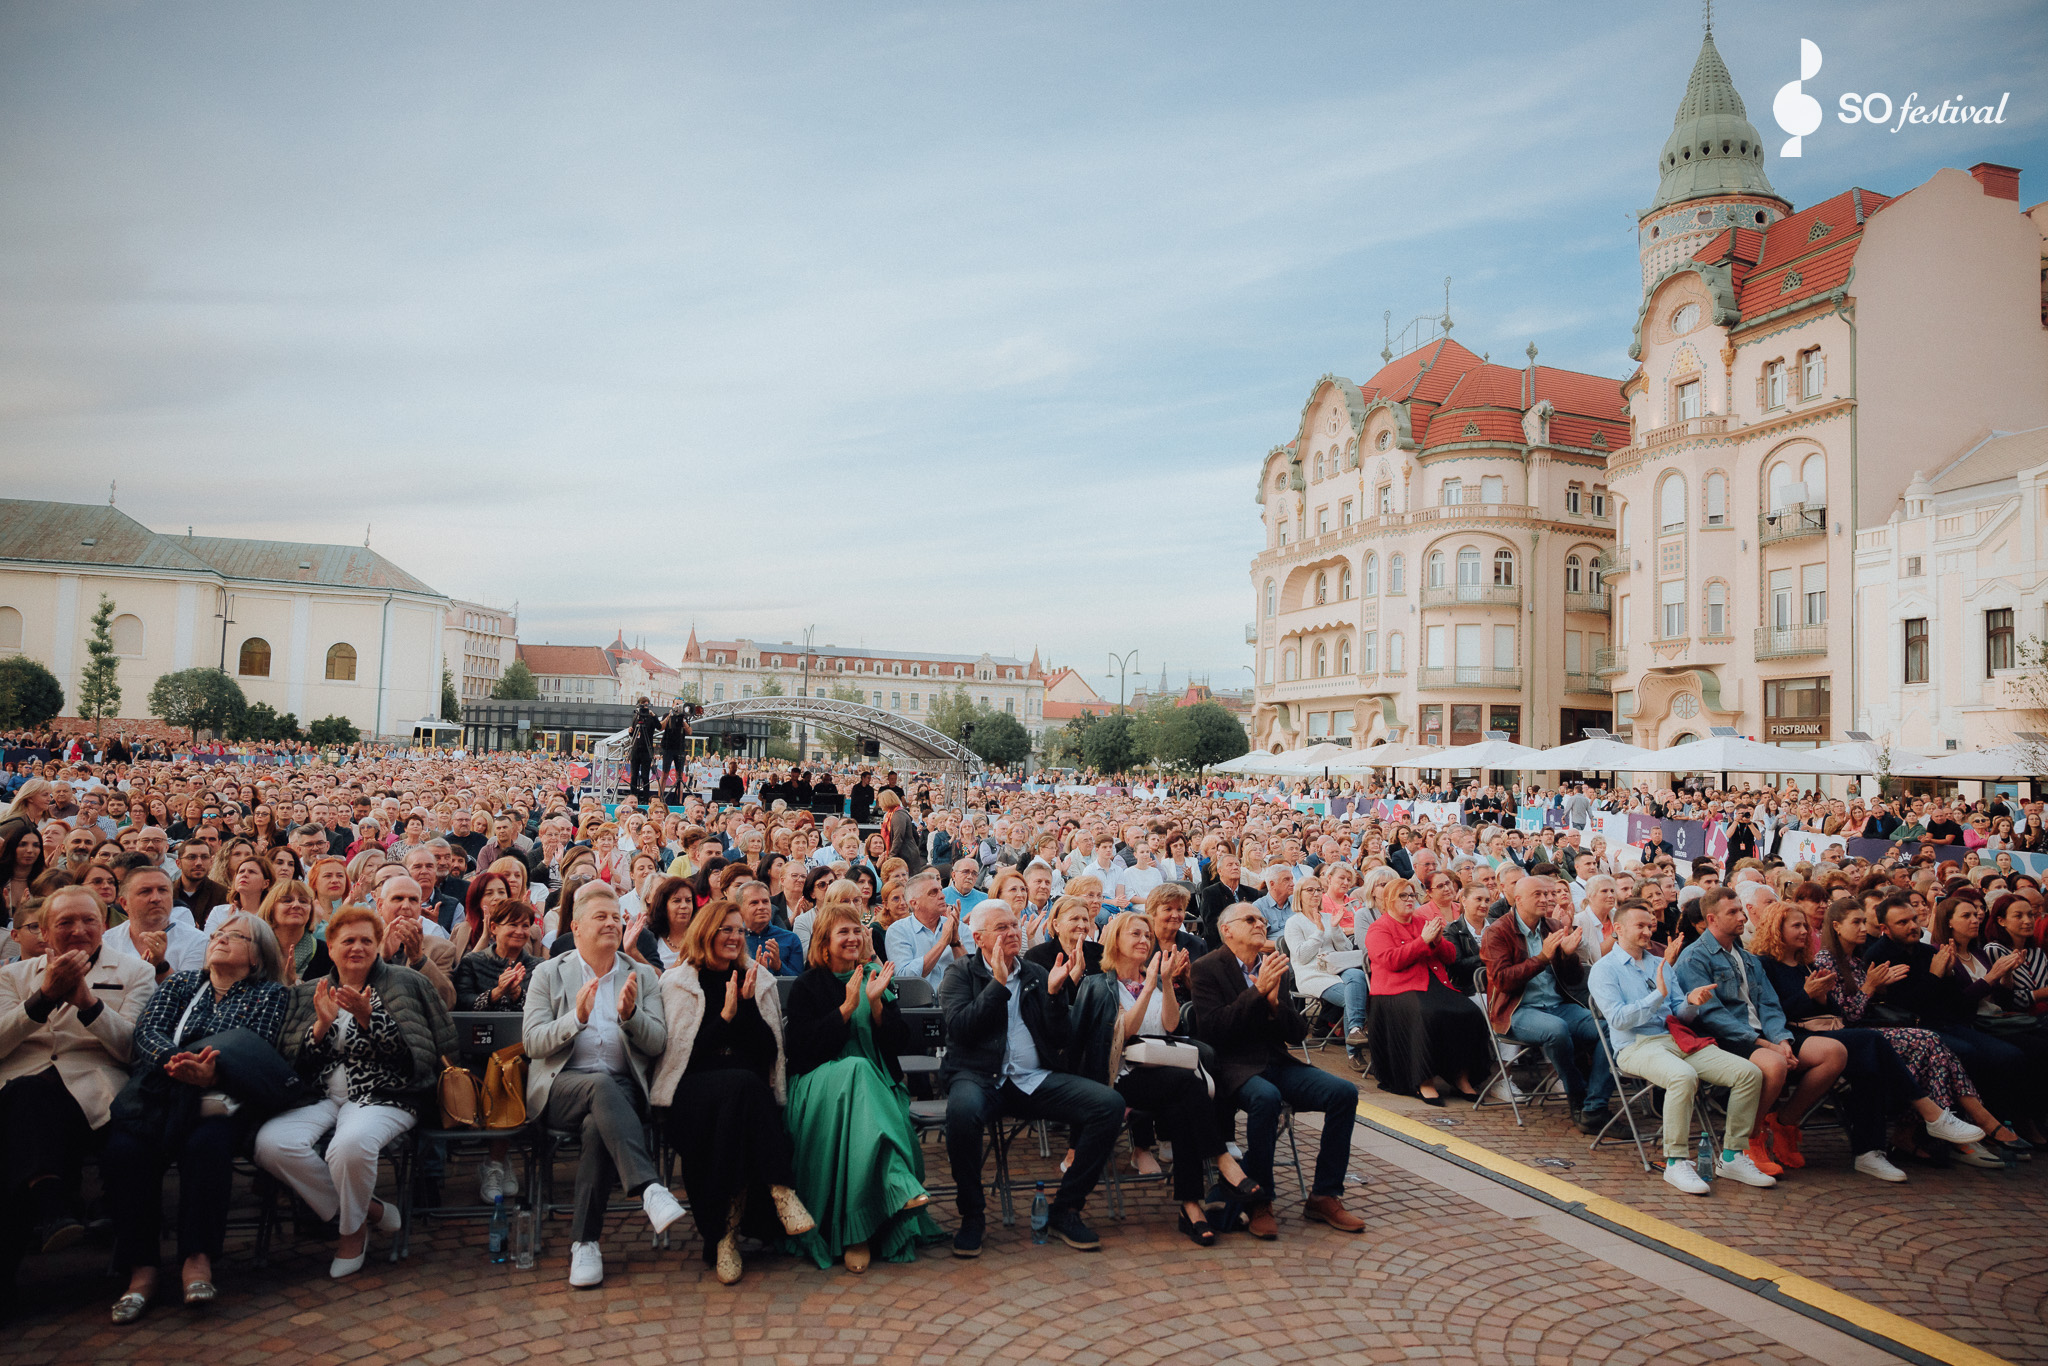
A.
x: 945, y: 327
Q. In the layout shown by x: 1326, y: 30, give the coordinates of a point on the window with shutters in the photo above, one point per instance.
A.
x: 1916, y: 650
x: 1433, y: 647
x: 1468, y: 567
x: 1573, y: 573
x: 1344, y: 583
x: 1574, y: 496
x: 1998, y: 642
x: 1781, y: 599
x: 1717, y: 499
x: 1774, y: 384
x: 1369, y: 653
x: 1347, y: 518
x: 1671, y: 502
x: 1343, y: 656
x: 1813, y: 591
x: 1322, y: 521
x: 1503, y: 647
x: 1716, y: 623
x: 1397, y: 660
x: 1597, y: 501
x: 1672, y: 600
x: 1453, y: 492
x: 1493, y: 489
x: 1573, y: 652
x: 1372, y: 576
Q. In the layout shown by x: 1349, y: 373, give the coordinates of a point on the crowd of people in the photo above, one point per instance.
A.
x: 202, y: 959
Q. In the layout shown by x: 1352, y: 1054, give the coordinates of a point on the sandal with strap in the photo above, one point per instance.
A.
x: 130, y: 1307
x: 1198, y: 1231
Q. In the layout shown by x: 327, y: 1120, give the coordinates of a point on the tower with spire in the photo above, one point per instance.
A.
x: 1710, y: 175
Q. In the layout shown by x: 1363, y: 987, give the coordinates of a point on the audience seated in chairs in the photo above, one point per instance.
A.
x: 594, y: 1031
x: 176, y: 1109
x: 67, y: 1032
x: 1532, y: 974
x: 721, y: 1080
x: 860, y: 1168
x: 1312, y: 938
x: 1244, y: 999
x: 1638, y: 998
x: 1135, y: 995
x: 1007, y: 1034
x: 1423, y: 1031
x: 369, y: 1038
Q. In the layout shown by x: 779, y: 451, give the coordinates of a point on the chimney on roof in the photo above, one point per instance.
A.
x: 1999, y: 182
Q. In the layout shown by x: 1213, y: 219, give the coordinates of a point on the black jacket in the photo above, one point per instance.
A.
x: 1096, y: 1008
x: 477, y: 975
x: 977, y: 1011
x: 1467, y: 945
x: 813, y: 1032
x: 1216, y: 899
x: 1048, y: 953
x: 1248, y: 1033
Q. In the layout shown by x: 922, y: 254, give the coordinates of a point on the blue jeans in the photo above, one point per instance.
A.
x: 1354, y: 994
x: 1305, y: 1088
x: 1559, y: 1030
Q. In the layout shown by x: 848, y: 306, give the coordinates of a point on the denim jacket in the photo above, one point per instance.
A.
x: 1724, y: 1016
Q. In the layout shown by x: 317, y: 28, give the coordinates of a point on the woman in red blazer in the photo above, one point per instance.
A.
x: 1423, y: 1031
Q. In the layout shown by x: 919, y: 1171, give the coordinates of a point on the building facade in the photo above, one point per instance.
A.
x: 311, y: 630
x: 1796, y: 368
x: 572, y: 673
x: 1434, y: 548
x: 640, y: 674
x: 903, y: 681
x: 479, y: 642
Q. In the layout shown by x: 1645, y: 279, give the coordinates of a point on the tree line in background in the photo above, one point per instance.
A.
x: 1182, y: 739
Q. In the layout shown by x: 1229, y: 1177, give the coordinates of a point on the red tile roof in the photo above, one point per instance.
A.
x: 1459, y: 391
x: 573, y: 661
x: 1067, y: 711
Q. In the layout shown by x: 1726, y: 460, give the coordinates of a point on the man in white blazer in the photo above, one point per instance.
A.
x: 67, y: 1030
x: 594, y: 1032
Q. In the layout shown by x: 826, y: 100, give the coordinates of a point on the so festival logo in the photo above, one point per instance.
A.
x: 1799, y: 113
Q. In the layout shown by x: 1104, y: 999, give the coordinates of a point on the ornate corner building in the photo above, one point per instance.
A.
x: 1457, y: 546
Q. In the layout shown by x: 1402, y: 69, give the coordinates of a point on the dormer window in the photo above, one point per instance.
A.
x: 1685, y: 319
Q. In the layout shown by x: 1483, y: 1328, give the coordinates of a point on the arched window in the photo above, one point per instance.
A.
x: 1596, y: 582
x: 1717, y: 608
x: 1397, y: 574
x: 1671, y: 502
x: 10, y: 628
x: 1344, y: 583
x: 1372, y: 576
x: 1572, y: 574
x: 341, y: 663
x: 1775, y: 483
x: 1813, y: 472
x: 1394, y: 655
x: 1322, y: 659
x: 1322, y: 588
x: 254, y: 659
x: 1344, y: 656
x: 1272, y: 598
x: 1504, y: 568
x: 126, y: 633
x: 1468, y: 567
x: 1717, y: 499
x: 1319, y: 467
x: 1436, y: 569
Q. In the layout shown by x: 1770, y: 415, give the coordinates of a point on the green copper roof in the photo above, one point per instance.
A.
x: 1714, y: 149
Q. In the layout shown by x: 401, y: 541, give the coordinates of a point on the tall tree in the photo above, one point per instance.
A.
x: 29, y: 693
x: 516, y: 684
x: 198, y: 699
x: 1112, y: 745
x: 771, y: 686
x: 99, y: 687
x: 998, y: 737
x: 1192, y: 738
x: 451, y: 703
x: 333, y: 730
x: 951, y: 713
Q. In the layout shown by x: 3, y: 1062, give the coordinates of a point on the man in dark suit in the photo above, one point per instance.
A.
x: 1245, y: 1010
x: 1226, y: 891
x: 1006, y: 1032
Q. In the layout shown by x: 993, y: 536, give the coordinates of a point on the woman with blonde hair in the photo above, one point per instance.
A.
x: 248, y: 884
x: 288, y: 909
x: 860, y: 1168
x: 328, y: 877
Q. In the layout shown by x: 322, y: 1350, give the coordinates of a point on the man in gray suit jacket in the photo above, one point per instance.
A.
x: 593, y: 1033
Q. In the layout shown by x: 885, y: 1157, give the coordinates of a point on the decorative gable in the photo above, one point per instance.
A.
x: 1471, y: 429
x: 1792, y: 282
x: 1818, y: 231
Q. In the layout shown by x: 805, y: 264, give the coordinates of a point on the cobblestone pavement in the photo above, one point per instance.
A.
x: 1437, y: 1276
x: 1959, y: 1249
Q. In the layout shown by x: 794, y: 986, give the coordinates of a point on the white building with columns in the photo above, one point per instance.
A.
x: 313, y: 630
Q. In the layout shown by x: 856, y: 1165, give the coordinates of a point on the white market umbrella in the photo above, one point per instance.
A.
x: 1599, y: 754
x: 1867, y: 752
x: 2001, y: 761
x: 1734, y: 754
x: 1243, y: 763
x: 1491, y: 754
x: 1391, y: 756
x: 1311, y: 760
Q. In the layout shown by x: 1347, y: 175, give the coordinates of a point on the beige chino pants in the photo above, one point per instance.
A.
x: 1658, y: 1060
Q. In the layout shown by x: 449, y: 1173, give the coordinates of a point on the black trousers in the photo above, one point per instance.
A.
x: 1179, y: 1101
x: 671, y: 771
x: 133, y: 1170
x: 1092, y: 1111
x: 43, y: 1133
x: 643, y: 765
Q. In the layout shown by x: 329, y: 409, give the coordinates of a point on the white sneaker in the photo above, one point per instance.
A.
x: 1514, y: 1092
x: 1740, y: 1168
x: 1875, y: 1163
x: 1683, y: 1176
x: 1977, y: 1155
x: 490, y: 1181
x: 1946, y: 1127
x: 586, y: 1266
x: 660, y: 1204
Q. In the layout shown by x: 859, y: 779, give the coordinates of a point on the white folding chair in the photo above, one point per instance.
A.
x: 1517, y: 1054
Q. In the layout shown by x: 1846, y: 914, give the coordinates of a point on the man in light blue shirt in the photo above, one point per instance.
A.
x: 925, y: 943
x: 963, y: 896
x: 1277, y: 904
x: 1630, y: 987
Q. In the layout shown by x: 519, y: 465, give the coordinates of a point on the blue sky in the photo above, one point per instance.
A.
x: 944, y: 327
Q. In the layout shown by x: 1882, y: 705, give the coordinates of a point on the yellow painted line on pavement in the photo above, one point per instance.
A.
x: 1883, y: 1323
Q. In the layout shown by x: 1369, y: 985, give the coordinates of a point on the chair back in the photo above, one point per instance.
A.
x: 480, y: 1033
x: 914, y: 993
x: 785, y: 988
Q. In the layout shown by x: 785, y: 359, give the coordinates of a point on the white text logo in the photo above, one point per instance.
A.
x: 1797, y: 112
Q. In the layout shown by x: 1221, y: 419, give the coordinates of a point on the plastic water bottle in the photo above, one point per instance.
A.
x: 1704, y: 1163
x: 501, y: 1230
x: 1041, y: 1216
x: 523, y: 1238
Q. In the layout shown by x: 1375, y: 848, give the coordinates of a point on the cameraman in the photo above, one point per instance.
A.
x: 644, y: 727
x: 675, y: 739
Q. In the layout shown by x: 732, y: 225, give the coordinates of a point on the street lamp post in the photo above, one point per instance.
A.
x: 1120, y: 664
x: 804, y: 690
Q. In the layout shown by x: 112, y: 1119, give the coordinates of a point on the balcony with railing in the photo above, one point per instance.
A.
x: 1609, y: 662
x: 1786, y: 642
x: 1468, y: 676
x: 1472, y: 595
x: 1585, y: 683
x: 1791, y: 523
x: 1586, y: 602
x: 1710, y: 425
x: 1611, y: 564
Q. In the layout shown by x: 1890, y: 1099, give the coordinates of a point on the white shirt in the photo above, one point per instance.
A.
x: 600, y: 1045
x: 1135, y: 884
x: 184, y: 947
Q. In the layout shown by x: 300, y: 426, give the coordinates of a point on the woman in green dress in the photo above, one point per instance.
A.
x: 858, y: 1165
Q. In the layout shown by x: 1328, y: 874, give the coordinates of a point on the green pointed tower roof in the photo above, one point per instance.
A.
x: 1714, y: 149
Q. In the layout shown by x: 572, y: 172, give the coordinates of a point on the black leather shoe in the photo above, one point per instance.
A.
x: 967, y: 1242
x: 1067, y: 1226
